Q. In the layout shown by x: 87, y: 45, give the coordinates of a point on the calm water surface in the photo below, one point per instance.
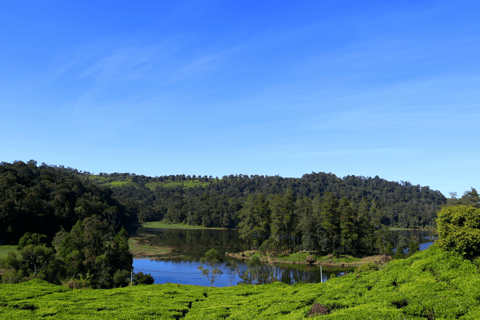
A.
x: 190, y: 245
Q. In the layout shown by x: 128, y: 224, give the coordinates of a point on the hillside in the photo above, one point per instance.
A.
x: 43, y: 199
x: 432, y: 284
x: 176, y: 197
x: 49, y: 197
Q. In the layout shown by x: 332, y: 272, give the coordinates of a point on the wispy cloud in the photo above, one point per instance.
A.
x: 301, y: 153
x: 199, y: 65
x: 125, y: 64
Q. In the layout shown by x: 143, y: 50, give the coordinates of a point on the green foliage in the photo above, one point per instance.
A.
x: 32, y: 239
x: 413, y: 246
x: 432, y: 284
x: 459, y: 230
x: 215, y: 202
x: 254, y: 220
x: 367, y: 267
x: 29, y: 262
x: 92, y: 251
x: 143, y: 278
x: 5, y: 249
x: 167, y: 225
x: 213, y: 260
x: 323, y: 224
x: 469, y: 198
x: 35, y: 258
x: 38, y: 200
x: 331, y: 221
x: 254, y: 271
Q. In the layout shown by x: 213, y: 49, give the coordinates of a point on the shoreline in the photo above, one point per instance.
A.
x: 165, y: 225
x: 411, y: 229
x: 377, y: 259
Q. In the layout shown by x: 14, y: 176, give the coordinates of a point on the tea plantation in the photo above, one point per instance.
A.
x: 432, y: 284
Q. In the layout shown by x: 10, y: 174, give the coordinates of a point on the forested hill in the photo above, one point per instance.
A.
x: 214, y: 202
x: 43, y: 199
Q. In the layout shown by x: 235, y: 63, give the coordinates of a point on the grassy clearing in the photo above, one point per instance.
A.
x: 165, y: 225
x: 140, y: 248
x: 4, y: 249
x: 171, y: 184
x: 112, y: 182
x: 432, y: 284
x: 301, y: 258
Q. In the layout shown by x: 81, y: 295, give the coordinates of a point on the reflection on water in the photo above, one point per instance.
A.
x: 194, y: 243
x: 185, y: 272
x: 190, y: 245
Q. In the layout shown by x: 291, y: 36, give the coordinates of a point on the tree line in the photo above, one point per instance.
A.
x: 284, y: 222
x: 49, y: 197
x: 217, y: 203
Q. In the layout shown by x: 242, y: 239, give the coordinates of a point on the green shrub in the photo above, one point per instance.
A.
x: 431, y: 284
x: 367, y: 267
x: 143, y: 278
x: 459, y: 230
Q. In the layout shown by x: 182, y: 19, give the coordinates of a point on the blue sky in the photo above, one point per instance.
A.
x: 254, y: 87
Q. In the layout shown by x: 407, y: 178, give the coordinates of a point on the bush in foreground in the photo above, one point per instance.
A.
x: 459, y: 230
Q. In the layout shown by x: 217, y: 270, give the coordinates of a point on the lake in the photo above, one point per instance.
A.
x: 190, y: 245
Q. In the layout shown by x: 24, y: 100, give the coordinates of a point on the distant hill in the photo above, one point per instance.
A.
x: 49, y: 197
x: 402, y: 204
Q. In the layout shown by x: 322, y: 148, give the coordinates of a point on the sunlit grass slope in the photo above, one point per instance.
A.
x: 433, y: 284
x: 166, y: 225
x: 114, y: 182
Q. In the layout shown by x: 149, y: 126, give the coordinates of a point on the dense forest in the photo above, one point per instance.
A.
x: 47, y: 197
x: 42, y: 199
x: 68, y: 229
x: 214, y: 202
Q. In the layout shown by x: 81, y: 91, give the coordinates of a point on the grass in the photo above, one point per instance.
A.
x: 112, y: 182
x: 301, y: 258
x: 432, y: 284
x: 165, y: 225
x: 185, y: 184
x: 407, y: 229
x: 4, y: 249
x: 140, y: 248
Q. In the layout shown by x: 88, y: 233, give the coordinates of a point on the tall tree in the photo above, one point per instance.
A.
x: 348, y: 216
x: 318, y: 231
x: 306, y: 226
x: 92, y: 251
x: 361, y: 224
x: 254, y: 220
x: 372, y: 225
x: 213, y: 260
x: 277, y: 218
x: 331, y: 220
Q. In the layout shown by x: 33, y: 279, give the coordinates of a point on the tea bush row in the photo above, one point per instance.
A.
x: 432, y: 284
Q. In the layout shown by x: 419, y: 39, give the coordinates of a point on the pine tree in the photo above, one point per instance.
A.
x: 371, y: 226
x: 348, y: 215
x: 246, y: 227
x: 331, y: 220
x: 305, y: 226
